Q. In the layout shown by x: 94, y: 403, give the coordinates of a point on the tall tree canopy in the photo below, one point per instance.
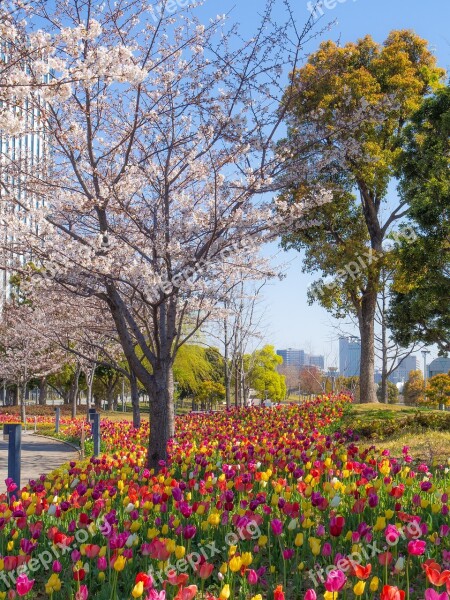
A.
x: 357, y: 99
x: 420, y: 309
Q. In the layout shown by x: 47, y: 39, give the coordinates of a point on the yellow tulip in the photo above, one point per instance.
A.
x: 380, y: 524
x: 225, y: 592
x: 374, y: 584
x: 262, y: 540
x: 235, y: 564
x: 330, y: 595
x: 119, y: 563
x: 138, y: 590
x: 247, y: 559
x: 359, y: 588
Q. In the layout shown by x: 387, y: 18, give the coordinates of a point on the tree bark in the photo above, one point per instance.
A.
x: 384, y: 353
x: 367, y: 334
x: 16, y: 396
x: 23, y: 415
x: 162, y: 414
x: 227, y: 376
x: 43, y: 391
x: 73, y: 393
x: 135, y: 401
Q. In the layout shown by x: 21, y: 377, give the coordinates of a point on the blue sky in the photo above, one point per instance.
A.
x: 289, y: 321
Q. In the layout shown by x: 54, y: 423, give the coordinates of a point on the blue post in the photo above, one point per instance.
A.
x: 13, y: 433
x: 96, y: 433
x: 91, y: 413
x: 57, y: 415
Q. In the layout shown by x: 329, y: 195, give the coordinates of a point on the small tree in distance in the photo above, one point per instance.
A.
x: 392, y: 393
x: 438, y: 389
x: 413, y: 390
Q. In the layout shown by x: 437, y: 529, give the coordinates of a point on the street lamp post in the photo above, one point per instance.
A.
x: 333, y: 371
x: 424, y: 354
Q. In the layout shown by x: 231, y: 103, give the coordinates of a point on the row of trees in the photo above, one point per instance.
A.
x: 436, y: 392
x: 70, y: 356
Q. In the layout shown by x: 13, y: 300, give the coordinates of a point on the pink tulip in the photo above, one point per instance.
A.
x: 335, y: 581
x: 252, y: 577
x: 326, y: 549
x: 277, y: 526
x: 416, y: 547
x: 310, y: 595
x: 431, y: 594
x: 24, y: 585
x: 82, y: 593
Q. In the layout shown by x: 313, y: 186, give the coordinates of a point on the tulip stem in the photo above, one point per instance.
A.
x: 407, y: 578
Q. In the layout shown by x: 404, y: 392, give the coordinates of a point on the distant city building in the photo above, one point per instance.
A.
x: 349, y: 356
x: 438, y: 366
x: 292, y: 357
x: 401, y: 373
x: 28, y: 149
x: 298, y: 358
x: 316, y: 361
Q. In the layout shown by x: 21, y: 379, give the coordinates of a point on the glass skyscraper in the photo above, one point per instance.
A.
x: 349, y: 356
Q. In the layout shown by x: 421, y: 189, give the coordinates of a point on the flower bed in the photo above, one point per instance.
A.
x: 253, y: 504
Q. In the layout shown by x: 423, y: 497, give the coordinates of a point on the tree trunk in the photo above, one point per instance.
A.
x: 236, y: 384
x: 135, y: 401
x: 162, y: 414
x: 73, y: 393
x: 16, y: 396
x: 23, y: 416
x: 43, y: 391
x: 227, y: 377
x: 367, y: 333
x: 384, y: 352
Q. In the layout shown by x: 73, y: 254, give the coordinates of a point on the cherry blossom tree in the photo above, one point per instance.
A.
x: 161, y: 135
x: 25, y: 354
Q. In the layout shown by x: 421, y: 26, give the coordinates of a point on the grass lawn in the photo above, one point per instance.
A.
x: 425, y: 431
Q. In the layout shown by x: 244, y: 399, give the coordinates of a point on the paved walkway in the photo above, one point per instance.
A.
x: 39, y: 455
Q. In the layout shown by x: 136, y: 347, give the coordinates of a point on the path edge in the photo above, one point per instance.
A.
x: 49, y: 437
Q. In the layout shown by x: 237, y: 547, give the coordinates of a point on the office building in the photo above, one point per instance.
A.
x: 349, y: 356
x: 299, y: 358
x: 316, y: 361
x: 28, y: 151
x: 401, y: 373
x: 292, y: 357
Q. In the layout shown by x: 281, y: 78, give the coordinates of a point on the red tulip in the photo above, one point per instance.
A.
x: 391, y: 592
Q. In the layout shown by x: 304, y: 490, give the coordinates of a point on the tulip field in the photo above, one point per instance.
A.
x: 255, y: 504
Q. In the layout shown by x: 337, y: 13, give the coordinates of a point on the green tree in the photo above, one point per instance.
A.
x: 194, y: 365
x: 262, y: 374
x: 106, y: 385
x: 420, y: 310
x: 210, y: 393
x: 392, y: 390
x: 438, y: 389
x: 356, y: 99
x: 413, y: 390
